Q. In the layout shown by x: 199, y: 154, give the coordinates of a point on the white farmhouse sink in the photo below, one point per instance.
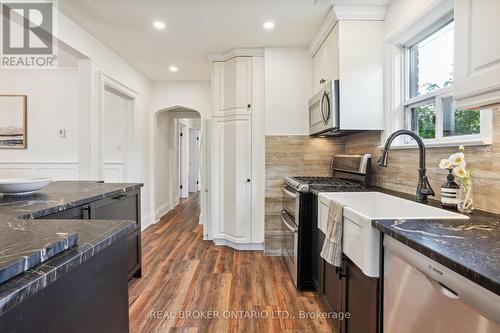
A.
x: 361, y: 242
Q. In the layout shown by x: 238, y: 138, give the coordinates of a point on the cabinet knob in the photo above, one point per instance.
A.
x: 248, y: 180
x: 249, y: 105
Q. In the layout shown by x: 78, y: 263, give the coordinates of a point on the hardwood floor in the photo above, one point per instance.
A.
x: 185, y: 277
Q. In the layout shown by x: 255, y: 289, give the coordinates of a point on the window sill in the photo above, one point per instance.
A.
x: 444, y: 143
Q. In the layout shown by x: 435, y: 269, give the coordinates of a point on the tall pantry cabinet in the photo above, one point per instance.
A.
x: 238, y: 149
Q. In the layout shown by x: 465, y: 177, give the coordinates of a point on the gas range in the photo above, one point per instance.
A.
x: 304, y: 184
x: 349, y: 173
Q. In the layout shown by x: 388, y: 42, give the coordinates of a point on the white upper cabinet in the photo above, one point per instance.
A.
x: 477, y: 52
x: 352, y: 53
x: 326, y: 60
x: 237, y: 84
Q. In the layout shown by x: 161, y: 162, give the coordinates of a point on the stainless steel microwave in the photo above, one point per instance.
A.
x: 324, y: 115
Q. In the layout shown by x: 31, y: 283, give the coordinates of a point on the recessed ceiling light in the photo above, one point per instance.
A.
x: 269, y: 25
x: 159, y: 25
x: 173, y: 69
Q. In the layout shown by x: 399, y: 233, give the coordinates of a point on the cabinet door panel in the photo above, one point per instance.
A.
x: 237, y: 83
x: 318, y: 263
x: 477, y: 52
x: 232, y: 162
x: 317, y: 70
x: 361, y: 301
x: 331, y: 55
x: 134, y: 253
x: 334, y: 289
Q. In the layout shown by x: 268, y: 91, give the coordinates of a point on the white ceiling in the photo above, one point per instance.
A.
x: 195, y: 28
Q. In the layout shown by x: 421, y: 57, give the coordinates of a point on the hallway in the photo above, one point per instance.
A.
x: 185, y: 278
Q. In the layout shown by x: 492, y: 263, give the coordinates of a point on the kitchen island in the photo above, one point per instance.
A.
x: 78, y: 281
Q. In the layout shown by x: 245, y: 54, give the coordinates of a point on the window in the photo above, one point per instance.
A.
x: 429, y: 108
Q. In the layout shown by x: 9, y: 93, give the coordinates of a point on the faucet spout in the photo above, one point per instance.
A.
x: 424, y: 188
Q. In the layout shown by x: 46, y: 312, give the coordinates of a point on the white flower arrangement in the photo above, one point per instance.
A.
x: 456, y: 162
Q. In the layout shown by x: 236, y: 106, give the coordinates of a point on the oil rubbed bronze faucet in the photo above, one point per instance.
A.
x: 424, y: 189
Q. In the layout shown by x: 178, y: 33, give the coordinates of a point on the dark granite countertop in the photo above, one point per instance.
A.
x: 470, y: 247
x: 17, y: 218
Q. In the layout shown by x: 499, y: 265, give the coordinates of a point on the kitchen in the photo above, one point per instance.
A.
x: 347, y: 176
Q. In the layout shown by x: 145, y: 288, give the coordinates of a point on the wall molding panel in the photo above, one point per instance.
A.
x: 55, y: 170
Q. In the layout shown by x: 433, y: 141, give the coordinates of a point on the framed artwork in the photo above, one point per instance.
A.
x: 13, y: 115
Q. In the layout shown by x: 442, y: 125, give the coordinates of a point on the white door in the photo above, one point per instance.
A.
x: 205, y: 180
x: 116, y: 126
x: 184, y: 160
x: 232, y: 188
x: 194, y: 140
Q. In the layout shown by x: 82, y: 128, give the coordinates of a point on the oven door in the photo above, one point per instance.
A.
x: 290, y: 244
x: 291, y: 203
x: 290, y: 226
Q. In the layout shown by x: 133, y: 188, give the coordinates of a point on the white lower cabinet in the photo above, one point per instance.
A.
x: 477, y: 52
x: 232, y: 163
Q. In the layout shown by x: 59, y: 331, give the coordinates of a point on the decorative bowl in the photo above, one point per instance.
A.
x: 22, y: 186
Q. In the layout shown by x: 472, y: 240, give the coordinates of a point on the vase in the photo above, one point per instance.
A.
x: 449, y: 192
x: 465, y: 199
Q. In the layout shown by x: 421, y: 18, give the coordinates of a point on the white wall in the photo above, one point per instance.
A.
x: 52, y: 104
x: 194, y: 95
x: 166, y: 177
x: 191, y: 95
x: 94, y: 57
x: 103, y: 59
x: 167, y: 159
x: 288, y: 87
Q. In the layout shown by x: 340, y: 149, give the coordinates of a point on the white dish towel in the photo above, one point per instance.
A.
x: 332, y: 247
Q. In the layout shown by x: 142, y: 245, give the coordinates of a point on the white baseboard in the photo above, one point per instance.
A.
x: 239, y: 246
x: 147, y: 220
x: 162, y: 210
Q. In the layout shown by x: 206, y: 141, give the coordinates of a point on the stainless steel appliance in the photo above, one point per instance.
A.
x: 324, y: 116
x: 349, y: 172
x: 421, y: 295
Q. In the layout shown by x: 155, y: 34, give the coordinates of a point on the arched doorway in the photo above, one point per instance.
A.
x: 177, y: 129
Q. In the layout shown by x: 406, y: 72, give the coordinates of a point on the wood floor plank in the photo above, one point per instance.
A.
x: 190, y: 285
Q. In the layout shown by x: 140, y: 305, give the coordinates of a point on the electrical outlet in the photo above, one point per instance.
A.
x: 62, y: 133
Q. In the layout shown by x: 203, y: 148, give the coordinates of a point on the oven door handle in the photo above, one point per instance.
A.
x: 287, y: 192
x: 284, y: 217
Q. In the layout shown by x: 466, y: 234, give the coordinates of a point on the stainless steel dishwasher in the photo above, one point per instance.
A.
x: 421, y: 295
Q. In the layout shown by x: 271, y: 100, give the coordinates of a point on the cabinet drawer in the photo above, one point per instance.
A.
x: 124, y: 206
x: 76, y: 213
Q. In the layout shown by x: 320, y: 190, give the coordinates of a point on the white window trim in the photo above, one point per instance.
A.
x: 397, y: 84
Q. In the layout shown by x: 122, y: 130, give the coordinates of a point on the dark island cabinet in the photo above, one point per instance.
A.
x: 123, y: 206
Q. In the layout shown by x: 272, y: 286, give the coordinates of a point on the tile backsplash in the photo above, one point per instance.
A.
x: 292, y: 156
x: 402, y: 171
x: 309, y: 156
